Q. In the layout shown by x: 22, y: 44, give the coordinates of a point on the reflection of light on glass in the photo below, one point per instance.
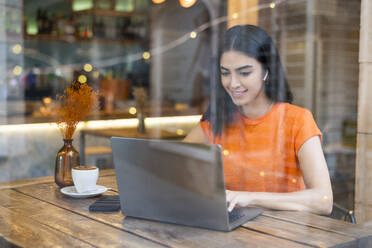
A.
x: 235, y: 16
x: 17, y: 70
x: 17, y: 49
x: 225, y: 152
x: 13, y: 82
x: 172, y: 120
x: 119, y: 123
x: 29, y: 127
x: 325, y: 197
x: 181, y: 106
x: 294, y: 180
x: 262, y: 174
x: 88, y: 67
x: 82, y: 79
x: 78, y: 5
x: 272, y: 5
x: 146, y: 55
x: 158, y: 1
x: 96, y: 74
x: 187, y: 3
x: 132, y: 110
x: 180, y: 132
x: 31, y: 27
x: 47, y: 100
x: 193, y: 35
x: 124, y: 5
x: 58, y: 72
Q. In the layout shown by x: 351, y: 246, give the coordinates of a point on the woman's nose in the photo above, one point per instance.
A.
x: 235, y: 82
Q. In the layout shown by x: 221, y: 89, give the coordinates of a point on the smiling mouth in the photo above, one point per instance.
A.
x: 238, y: 93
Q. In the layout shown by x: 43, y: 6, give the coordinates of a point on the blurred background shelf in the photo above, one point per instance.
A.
x: 73, y: 39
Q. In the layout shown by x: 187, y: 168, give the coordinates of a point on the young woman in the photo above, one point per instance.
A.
x: 272, y: 149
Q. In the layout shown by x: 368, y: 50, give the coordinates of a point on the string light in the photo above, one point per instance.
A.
x: 180, y: 132
x: 226, y: 152
x: 272, y: 5
x: 193, y: 35
x: 88, y: 67
x: 17, y: 70
x: 82, y: 79
x: 132, y: 110
x: 262, y: 174
x: 17, y: 49
x: 235, y: 16
x: 146, y: 55
x: 47, y: 100
x: 187, y: 3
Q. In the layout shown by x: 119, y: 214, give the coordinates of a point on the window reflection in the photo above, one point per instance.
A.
x: 168, y: 50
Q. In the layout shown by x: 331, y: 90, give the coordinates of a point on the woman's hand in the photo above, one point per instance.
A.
x: 238, y: 198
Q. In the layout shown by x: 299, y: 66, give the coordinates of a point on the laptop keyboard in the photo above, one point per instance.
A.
x: 235, y: 214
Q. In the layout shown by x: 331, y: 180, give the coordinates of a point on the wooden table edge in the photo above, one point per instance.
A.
x: 47, y: 179
x: 358, y: 237
x: 111, y: 173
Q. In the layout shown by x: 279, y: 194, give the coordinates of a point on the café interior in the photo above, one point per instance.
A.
x: 150, y: 62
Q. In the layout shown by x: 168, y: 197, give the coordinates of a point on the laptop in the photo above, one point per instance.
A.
x: 175, y: 182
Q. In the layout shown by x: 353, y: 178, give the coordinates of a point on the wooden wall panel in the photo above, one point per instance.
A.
x: 319, y: 48
x: 365, y: 54
x: 363, y: 182
x: 246, y: 12
x: 365, y: 100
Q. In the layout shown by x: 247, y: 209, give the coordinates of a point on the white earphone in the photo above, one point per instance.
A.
x: 265, y: 77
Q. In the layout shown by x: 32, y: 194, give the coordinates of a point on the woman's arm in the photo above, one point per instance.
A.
x: 317, y: 198
x: 196, y: 135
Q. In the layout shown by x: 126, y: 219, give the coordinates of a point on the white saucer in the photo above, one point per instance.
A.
x: 71, y: 191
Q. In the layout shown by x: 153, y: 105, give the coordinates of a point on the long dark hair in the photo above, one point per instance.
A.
x: 256, y: 43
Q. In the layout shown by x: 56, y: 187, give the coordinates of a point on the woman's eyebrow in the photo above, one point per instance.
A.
x: 243, y: 67
x: 237, y: 69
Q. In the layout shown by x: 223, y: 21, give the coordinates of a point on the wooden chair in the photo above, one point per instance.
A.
x: 100, y: 156
x: 339, y: 212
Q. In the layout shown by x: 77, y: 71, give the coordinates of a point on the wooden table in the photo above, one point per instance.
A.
x: 33, y: 213
x: 125, y: 132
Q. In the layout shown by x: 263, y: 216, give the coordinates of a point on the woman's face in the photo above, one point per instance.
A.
x: 242, y: 77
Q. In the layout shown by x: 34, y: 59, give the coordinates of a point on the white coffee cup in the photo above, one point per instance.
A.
x: 85, y: 178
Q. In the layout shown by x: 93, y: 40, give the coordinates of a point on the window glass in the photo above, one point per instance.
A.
x: 158, y: 63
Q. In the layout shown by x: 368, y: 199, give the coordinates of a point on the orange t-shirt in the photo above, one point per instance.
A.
x: 260, y: 155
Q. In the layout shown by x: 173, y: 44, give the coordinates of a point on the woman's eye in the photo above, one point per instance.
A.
x: 245, y: 74
x: 224, y: 73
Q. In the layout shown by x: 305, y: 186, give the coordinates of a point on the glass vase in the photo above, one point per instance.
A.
x: 67, y: 157
x: 141, y: 128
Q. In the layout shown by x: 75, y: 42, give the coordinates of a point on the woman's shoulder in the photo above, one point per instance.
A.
x: 296, y: 114
x: 294, y: 109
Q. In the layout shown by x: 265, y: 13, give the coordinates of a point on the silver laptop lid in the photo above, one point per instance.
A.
x: 171, y: 181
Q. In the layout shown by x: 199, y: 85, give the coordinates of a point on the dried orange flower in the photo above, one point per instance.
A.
x: 74, y: 105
